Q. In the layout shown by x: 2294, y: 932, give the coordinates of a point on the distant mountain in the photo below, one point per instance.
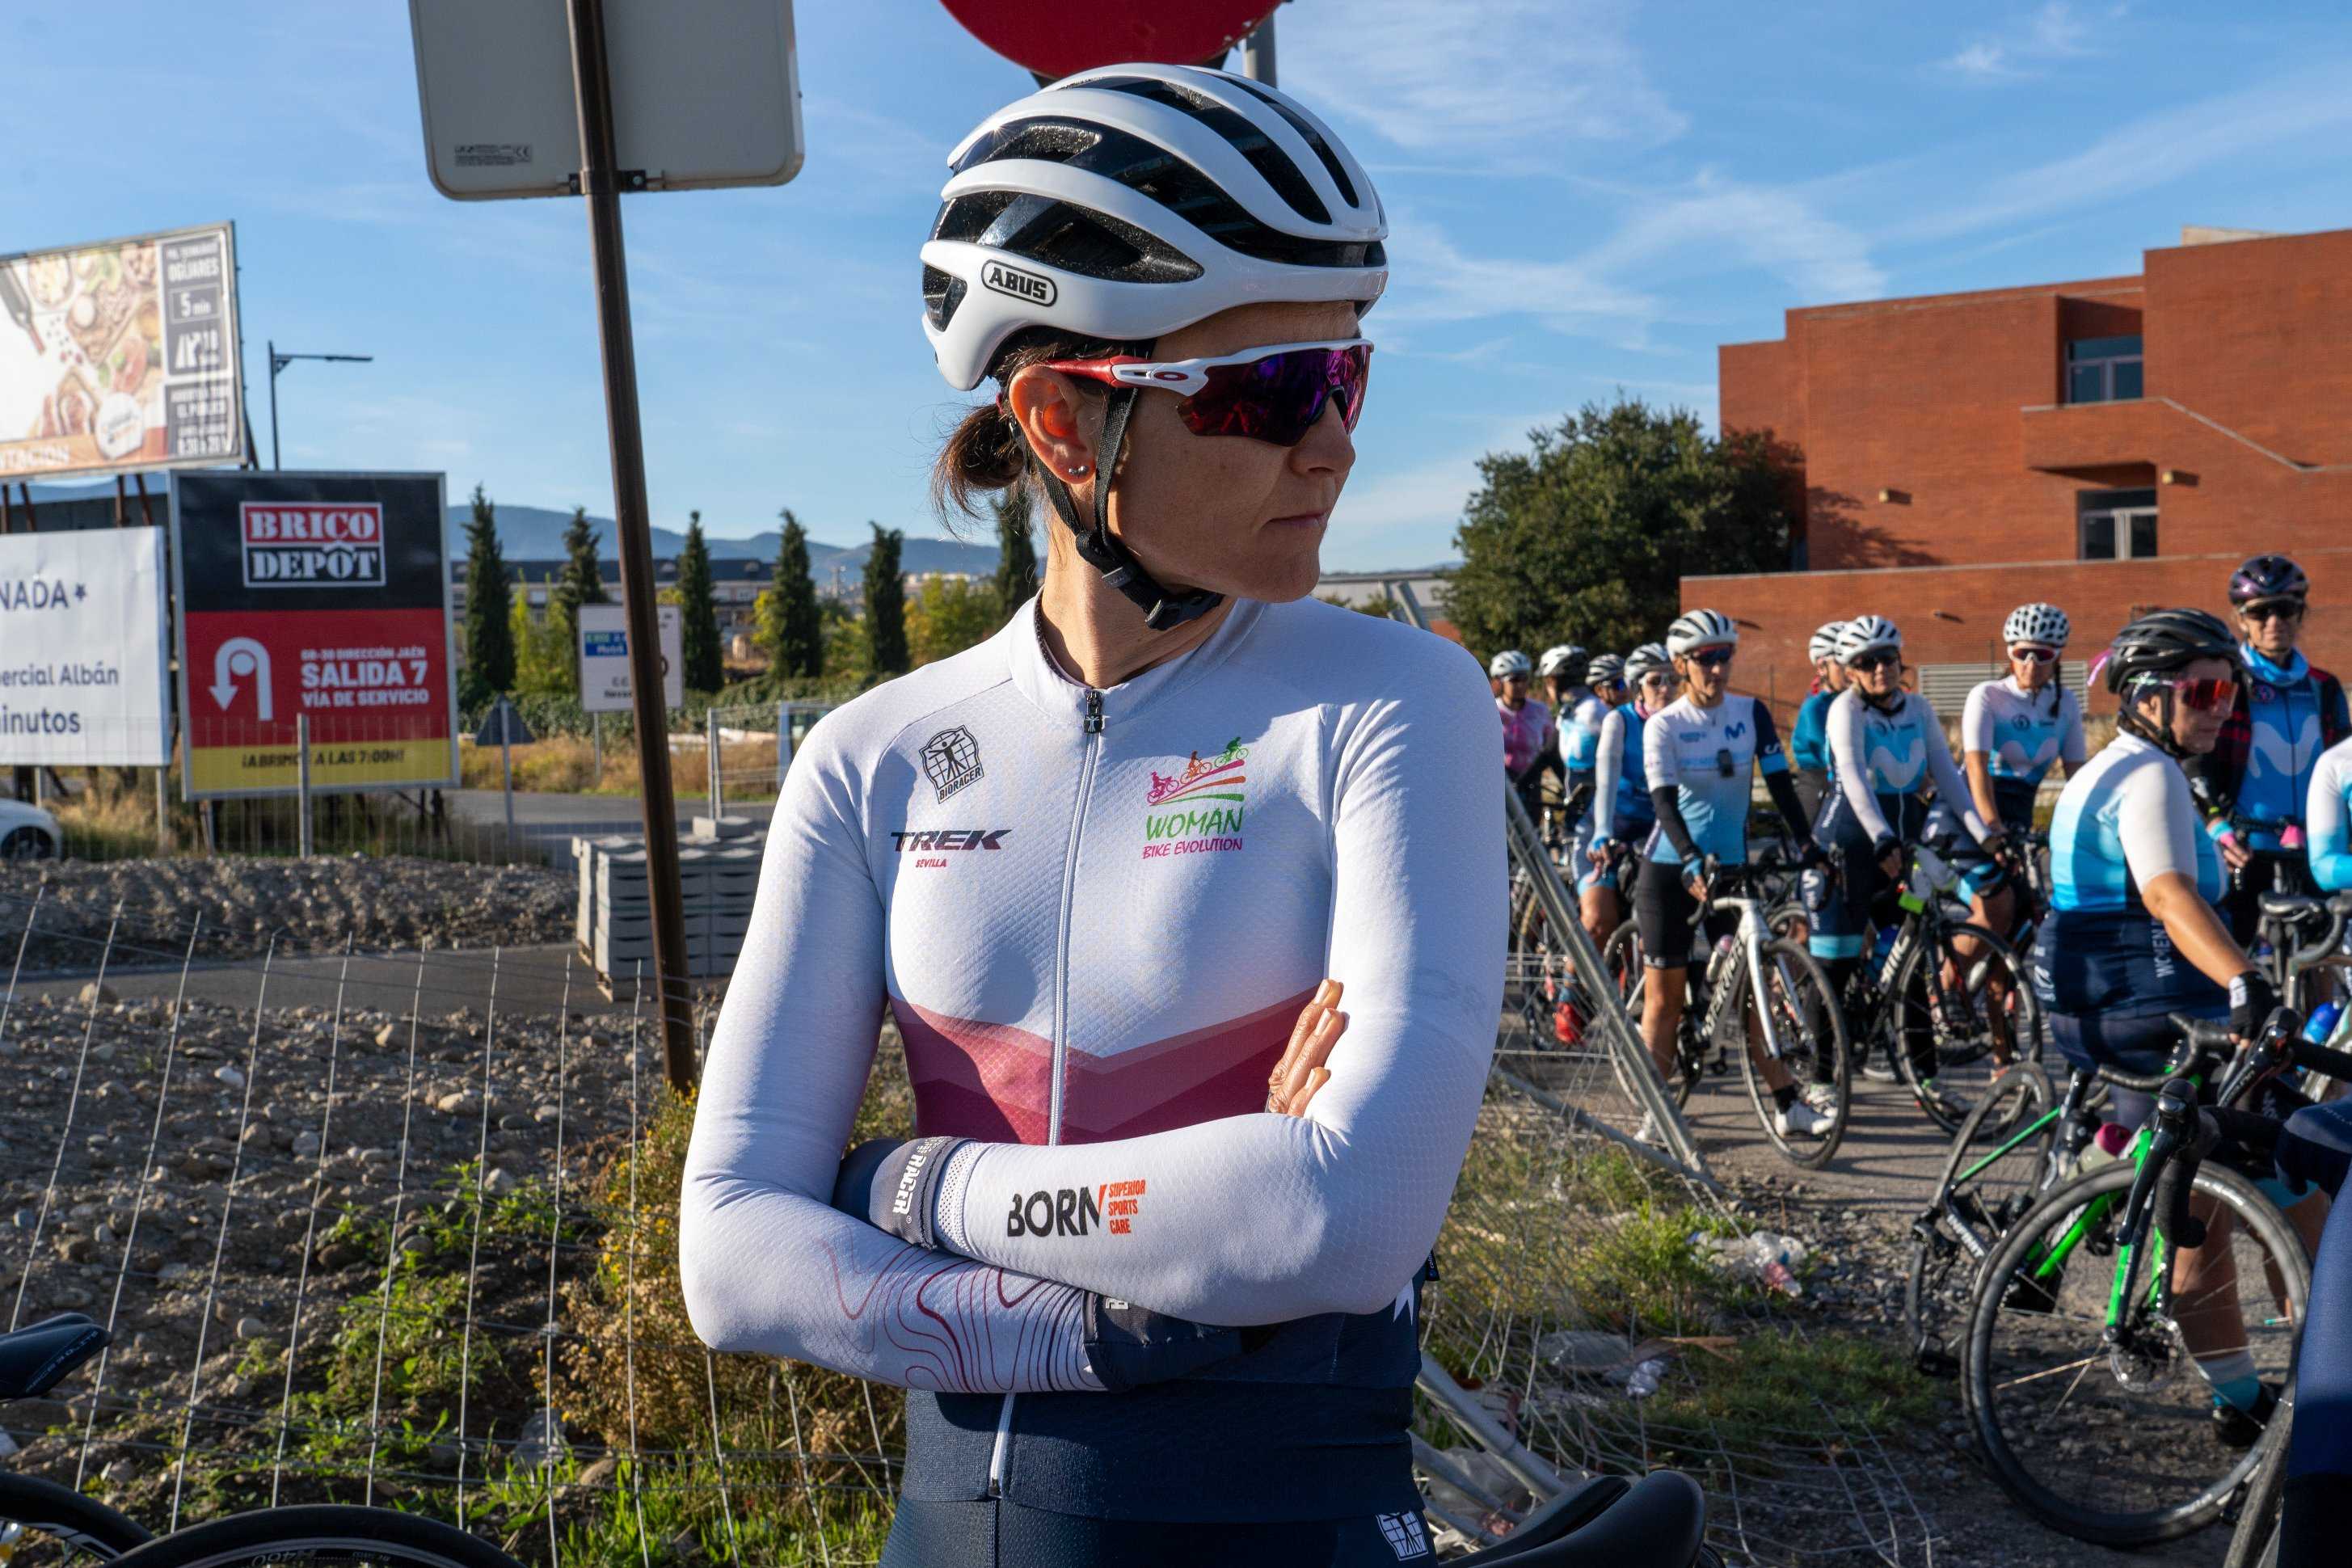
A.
x: 536, y: 534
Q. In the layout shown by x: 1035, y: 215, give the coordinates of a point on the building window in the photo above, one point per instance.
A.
x: 2103, y: 370
x: 2116, y: 525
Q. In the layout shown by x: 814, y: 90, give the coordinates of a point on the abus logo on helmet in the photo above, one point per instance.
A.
x: 1021, y: 285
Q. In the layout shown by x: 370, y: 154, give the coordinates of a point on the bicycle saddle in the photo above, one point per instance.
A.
x: 2293, y: 908
x: 1658, y: 1521
x: 34, y: 1358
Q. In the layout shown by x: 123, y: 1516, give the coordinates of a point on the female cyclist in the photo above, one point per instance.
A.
x: 1808, y: 738
x: 2012, y: 733
x: 2328, y: 816
x: 1096, y: 867
x: 1701, y: 755
x: 1620, y: 794
x: 2136, y: 932
x: 1885, y: 745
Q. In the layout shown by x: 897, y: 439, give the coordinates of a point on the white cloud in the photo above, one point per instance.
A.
x: 1504, y: 85
x: 2055, y: 31
x: 1722, y: 222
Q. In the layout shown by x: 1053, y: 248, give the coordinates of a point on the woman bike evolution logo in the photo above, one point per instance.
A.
x: 1202, y: 804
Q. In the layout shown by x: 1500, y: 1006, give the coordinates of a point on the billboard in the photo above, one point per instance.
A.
x: 604, y: 683
x: 120, y: 356
x: 318, y: 593
x: 83, y: 681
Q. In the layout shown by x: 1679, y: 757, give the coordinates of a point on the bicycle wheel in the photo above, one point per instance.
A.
x: 323, y: 1533
x: 1811, y: 1028
x: 1622, y: 958
x: 1953, y: 1017
x: 2000, y: 1163
x: 2254, y: 1544
x: 2116, y: 1443
x: 85, y: 1529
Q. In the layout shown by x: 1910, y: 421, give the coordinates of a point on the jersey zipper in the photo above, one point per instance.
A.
x: 1090, y: 749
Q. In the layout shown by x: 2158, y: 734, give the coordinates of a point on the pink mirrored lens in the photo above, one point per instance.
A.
x: 1279, y: 398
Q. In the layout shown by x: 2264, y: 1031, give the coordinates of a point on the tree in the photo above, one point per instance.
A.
x: 698, y: 613
x: 489, y: 603
x: 1016, y: 551
x: 885, y: 603
x: 543, y: 647
x: 1585, y: 537
x: 790, y: 627
x: 582, y: 584
x: 949, y: 614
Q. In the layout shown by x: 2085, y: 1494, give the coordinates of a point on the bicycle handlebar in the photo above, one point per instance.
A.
x: 2179, y: 1131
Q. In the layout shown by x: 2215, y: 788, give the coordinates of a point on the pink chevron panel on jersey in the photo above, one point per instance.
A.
x: 994, y: 1081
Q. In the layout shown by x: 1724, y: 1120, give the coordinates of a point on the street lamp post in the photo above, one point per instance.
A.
x: 279, y: 362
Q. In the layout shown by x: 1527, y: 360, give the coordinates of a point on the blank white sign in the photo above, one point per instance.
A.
x: 706, y: 93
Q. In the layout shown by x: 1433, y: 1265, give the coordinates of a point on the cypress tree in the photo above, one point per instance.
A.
x: 1016, y: 551
x: 885, y: 603
x: 582, y: 584
x: 698, y: 613
x: 489, y: 603
x: 794, y: 631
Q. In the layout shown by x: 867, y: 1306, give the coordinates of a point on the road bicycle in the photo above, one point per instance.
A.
x: 1757, y: 988
x: 2080, y: 1372
x: 1946, y: 998
x: 35, y: 1359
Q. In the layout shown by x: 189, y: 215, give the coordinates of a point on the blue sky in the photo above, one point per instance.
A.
x: 1586, y: 197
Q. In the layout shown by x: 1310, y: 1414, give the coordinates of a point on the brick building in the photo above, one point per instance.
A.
x: 2110, y: 445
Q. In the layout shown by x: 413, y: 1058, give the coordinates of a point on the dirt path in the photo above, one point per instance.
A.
x: 1857, y: 1214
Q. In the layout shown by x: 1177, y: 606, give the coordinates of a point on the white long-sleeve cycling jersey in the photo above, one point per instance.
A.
x: 1883, y: 752
x: 1095, y: 916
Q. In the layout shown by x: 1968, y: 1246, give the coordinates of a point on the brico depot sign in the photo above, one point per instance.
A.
x: 316, y: 595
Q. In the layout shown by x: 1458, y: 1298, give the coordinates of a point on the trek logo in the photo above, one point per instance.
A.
x: 1021, y: 285
x: 1202, y: 804
x: 932, y: 841
x: 1076, y: 1211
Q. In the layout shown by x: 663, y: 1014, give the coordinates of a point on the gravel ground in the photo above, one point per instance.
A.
x: 314, y: 905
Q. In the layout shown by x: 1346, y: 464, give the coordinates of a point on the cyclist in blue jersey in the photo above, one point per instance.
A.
x: 1887, y: 746
x: 2257, y: 776
x: 1808, y: 739
x: 1098, y: 868
x: 1622, y: 812
x: 2328, y: 818
x: 1702, y: 753
x: 2012, y: 733
x: 1606, y: 677
x: 2135, y: 933
x: 1556, y: 670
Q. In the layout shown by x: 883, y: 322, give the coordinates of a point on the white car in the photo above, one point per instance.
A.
x: 29, y: 833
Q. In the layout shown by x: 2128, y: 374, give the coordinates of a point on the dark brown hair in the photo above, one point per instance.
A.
x: 986, y: 451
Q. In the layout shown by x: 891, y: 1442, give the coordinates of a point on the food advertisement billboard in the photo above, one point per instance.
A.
x: 120, y: 356
x: 325, y: 595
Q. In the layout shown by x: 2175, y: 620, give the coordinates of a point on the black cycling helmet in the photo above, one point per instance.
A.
x: 2268, y: 577
x: 2163, y: 641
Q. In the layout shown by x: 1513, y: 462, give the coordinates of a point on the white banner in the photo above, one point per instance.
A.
x: 83, y: 681
x: 605, y: 684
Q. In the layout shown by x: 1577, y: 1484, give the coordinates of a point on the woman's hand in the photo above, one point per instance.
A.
x: 1301, y: 1072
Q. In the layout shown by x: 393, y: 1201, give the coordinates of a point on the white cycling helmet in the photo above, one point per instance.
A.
x: 1508, y: 663
x: 1605, y: 669
x: 1560, y: 660
x: 1825, y: 642
x: 2043, y: 624
x: 1701, y: 628
x: 1124, y: 203
x: 1866, y: 634
x: 1643, y: 660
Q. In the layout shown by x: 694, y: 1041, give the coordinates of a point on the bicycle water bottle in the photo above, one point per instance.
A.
x: 2322, y: 1022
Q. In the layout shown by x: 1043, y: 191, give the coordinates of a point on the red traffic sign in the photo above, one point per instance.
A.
x: 1058, y: 40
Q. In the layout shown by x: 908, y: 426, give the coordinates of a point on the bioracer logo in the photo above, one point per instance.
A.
x: 1019, y: 284
x: 903, y: 1201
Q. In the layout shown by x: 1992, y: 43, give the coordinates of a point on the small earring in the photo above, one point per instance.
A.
x: 1079, y: 471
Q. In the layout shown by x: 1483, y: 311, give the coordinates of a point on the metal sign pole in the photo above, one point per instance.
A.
x: 302, y: 782
x: 506, y: 766
x: 592, y: 87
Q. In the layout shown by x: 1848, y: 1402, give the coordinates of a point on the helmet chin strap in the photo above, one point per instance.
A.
x: 2156, y: 735
x: 1162, y: 609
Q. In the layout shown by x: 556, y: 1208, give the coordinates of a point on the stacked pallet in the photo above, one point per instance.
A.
x: 718, y: 879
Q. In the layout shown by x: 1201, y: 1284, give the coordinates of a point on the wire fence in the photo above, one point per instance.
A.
x: 400, y: 1226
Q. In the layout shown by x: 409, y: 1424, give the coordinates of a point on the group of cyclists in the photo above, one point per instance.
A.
x: 2237, y: 777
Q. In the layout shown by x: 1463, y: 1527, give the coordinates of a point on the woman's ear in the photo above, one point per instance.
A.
x: 1052, y: 414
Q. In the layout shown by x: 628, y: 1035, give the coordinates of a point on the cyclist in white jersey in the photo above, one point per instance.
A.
x: 1095, y: 867
x: 2012, y: 733
x: 1701, y: 754
x: 2328, y: 818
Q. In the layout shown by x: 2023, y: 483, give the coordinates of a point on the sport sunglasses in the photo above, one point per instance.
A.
x: 1274, y: 394
x: 1712, y: 657
x: 2033, y: 655
x: 2204, y: 696
x: 2274, y: 610
x: 1877, y: 658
